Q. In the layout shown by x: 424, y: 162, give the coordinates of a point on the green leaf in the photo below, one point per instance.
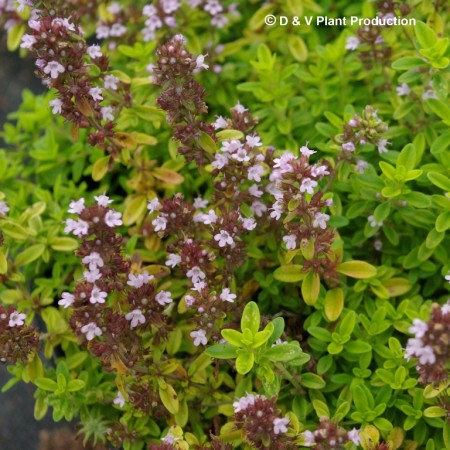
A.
x: 262, y: 337
x: 63, y: 244
x: 222, y: 351
x: 434, y: 238
x: 418, y: 200
x: 283, y: 352
x: 443, y: 221
x: 348, y: 324
x: 383, y: 424
x: 357, y: 269
x: 425, y: 35
x: 439, y: 180
x: 397, y: 286
x: 135, y: 209
x: 278, y: 328
x: 320, y: 408
x: 15, y: 34
x: 47, y: 384
x: 297, y: 47
x: 100, y: 168
x: 334, y: 349
x: 388, y: 170
x: 440, y: 144
x: 311, y: 288
x: 169, y: 398
x: 40, y: 408
x: 312, y: 381
x: 75, y: 385
x: 407, y: 62
x: 250, y: 318
x: 320, y: 333
x: 382, y: 211
x: 3, y: 262
x: 226, y: 135
x: 76, y: 359
x: 290, y: 273
x: 357, y: 347
x: 30, y: 254
x: 333, y: 304
x: 234, y: 337
x: 207, y: 143
x: 440, y: 109
x: 244, y: 362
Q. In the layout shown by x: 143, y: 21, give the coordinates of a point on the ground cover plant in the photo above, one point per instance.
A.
x: 219, y: 231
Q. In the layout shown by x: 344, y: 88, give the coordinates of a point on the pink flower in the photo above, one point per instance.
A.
x: 280, y: 425
x: 96, y: 93
x: 195, y: 274
x: 94, y: 260
x: 255, y: 172
x: 224, y: 238
x: 220, y: 123
x: 320, y: 220
x: 91, y: 276
x: 97, y: 296
x: 348, y: 146
x: 227, y: 296
x: 111, y: 82
x: 163, y: 297
x: 107, y: 113
x: 76, y: 207
x: 54, y: 68
x: 56, y: 104
x: 253, y: 141
x: 28, y: 41
x: 112, y: 218
x: 119, y: 400
x: 308, y: 185
x: 136, y: 318
x: 91, y: 330
x: 305, y: 151
x: 290, y: 241
x: 16, y: 319
x: 94, y: 51
x: 173, y: 260
x: 103, y: 200
x: 159, y: 223
x: 77, y: 227
x: 66, y: 300
x: 153, y: 205
x: 352, y: 43
x: 199, y: 337
x: 200, y: 62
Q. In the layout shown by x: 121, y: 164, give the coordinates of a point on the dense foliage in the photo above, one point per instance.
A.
x: 221, y: 233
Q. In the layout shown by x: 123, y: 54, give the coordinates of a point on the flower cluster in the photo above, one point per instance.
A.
x: 163, y: 13
x: 329, y: 435
x: 199, y: 239
x: 372, y: 47
x: 114, y: 26
x: 219, y: 13
x: 295, y: 184
x: 261, y: 424
x: 360, y: 130
x: 431, y: 345
x: 61, y: 55
x: 17, y: 340
x: 111, y: 328
x: 182, y: 97
x: 9, y: 13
